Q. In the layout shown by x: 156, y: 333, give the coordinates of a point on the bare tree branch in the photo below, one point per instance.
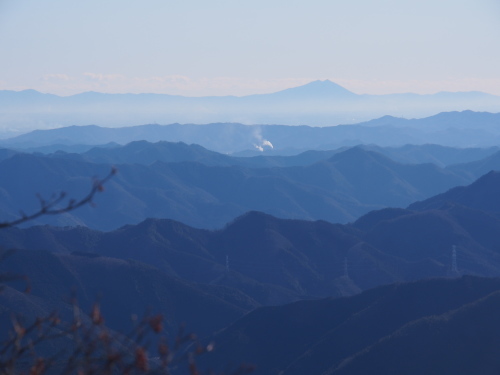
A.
x: 51, y: 207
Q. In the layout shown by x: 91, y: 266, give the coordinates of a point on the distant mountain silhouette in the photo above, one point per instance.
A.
x: 315, y: 90
x: 322, y: 103
x: 453, y: 129
x: 475, y: 169
x: 143, y: 152
x: 441, y: 156
x: 480, y: 195
x: 73, y: 148
x: 209, y: 196
x: 444, y: 120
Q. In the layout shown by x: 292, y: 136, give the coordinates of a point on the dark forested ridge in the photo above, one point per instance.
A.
x: 434, y: 326
x: 125, y: 287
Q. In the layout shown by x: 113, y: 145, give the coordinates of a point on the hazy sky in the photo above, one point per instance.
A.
x: 239, y: 47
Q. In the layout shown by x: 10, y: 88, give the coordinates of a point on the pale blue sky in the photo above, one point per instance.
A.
x: 196, y: 47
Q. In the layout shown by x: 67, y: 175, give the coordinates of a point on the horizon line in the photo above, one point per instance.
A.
x: 249, y: 95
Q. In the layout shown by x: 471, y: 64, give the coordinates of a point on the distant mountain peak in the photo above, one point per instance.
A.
x: 318, y: 88
x: 325, y: 83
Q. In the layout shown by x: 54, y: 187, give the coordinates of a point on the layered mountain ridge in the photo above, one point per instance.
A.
x: 209, y: 196
x: 257, y: 285
x: 275, y: 260
x: 319, y: 103
x: 455, y: 129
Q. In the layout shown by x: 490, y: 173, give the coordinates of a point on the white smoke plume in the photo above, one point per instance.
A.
x: 261, y: 141
x: 265, y: 142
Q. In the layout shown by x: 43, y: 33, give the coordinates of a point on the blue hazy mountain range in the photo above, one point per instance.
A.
x: 206, y: 189
x: 455, y: 129
x: 146, y: 153
x: 319, y: 103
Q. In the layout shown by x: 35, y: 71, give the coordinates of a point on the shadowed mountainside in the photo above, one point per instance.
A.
x: 125, y: 287
x: 461, y: 341
x: 412, y: 328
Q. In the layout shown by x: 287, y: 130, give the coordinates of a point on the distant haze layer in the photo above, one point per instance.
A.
x: 319, y: 103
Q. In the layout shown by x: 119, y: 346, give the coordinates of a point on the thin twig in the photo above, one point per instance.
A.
x: 50, y: 207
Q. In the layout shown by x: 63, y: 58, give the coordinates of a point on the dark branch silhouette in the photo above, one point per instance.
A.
x: 51, y: 207
x: 95, y: 349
